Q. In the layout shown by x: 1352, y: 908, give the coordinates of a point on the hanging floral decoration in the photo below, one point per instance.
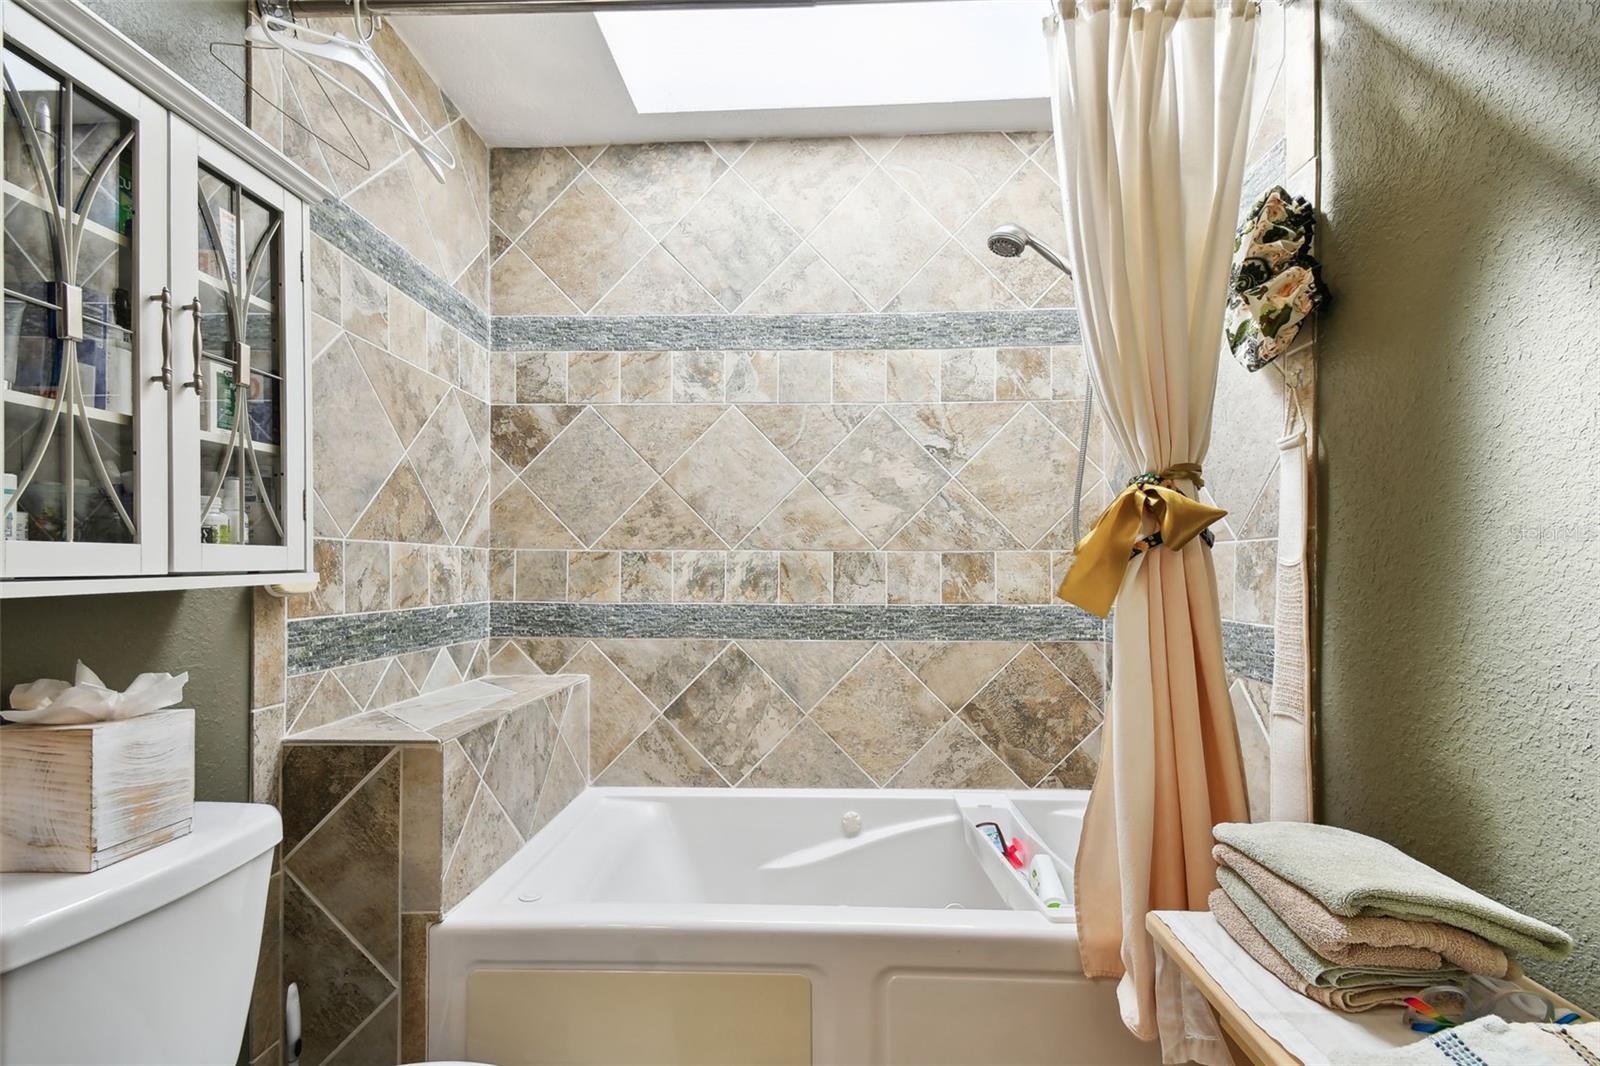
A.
x: 1276, y: 283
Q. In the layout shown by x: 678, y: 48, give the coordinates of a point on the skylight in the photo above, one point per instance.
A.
x: 851, y: 55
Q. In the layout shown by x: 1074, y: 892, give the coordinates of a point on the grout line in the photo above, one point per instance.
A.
x: 337, y: 924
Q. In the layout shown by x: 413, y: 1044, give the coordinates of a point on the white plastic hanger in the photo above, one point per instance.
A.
x: 305, y: 44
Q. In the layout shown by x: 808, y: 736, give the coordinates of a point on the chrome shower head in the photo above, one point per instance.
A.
x: 1010, y: 240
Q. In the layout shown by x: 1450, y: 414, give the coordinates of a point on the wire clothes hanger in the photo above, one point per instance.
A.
x: 320, y: 50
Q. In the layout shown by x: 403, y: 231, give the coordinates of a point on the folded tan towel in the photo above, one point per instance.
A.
x: 1366, y: 941
x: 1349, y: 1000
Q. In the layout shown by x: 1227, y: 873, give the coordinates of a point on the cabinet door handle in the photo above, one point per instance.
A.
x: 165, y: 300
x: 198, y: 384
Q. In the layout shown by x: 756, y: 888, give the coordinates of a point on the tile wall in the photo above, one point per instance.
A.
x: 756, y: 435
x: 398, y: 265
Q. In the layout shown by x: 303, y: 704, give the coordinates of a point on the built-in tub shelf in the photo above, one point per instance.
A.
x: 449, y: 713
x: 1012, y: 883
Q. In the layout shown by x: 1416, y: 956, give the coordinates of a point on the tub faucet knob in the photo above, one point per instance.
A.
x: 850, y: 824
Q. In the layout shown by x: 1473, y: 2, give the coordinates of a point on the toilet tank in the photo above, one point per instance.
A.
x: 150, y: 960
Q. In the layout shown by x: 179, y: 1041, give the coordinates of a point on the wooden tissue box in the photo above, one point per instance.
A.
x: 74, y: 798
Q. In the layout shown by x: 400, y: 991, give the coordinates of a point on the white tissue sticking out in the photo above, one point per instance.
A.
x: 87, y: 699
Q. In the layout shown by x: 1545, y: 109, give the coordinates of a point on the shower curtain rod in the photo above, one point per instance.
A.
x: 529, y: 7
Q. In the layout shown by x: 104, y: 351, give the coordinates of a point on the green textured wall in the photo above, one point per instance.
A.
x: 180, y: 34
x: 1458, y: 394
x: 206, y: 632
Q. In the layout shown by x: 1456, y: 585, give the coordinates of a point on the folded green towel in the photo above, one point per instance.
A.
x: 1357, y: 876
x: 1315, y: 969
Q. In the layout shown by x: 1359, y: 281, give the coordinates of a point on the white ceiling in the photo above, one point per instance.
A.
x: 551, y: 79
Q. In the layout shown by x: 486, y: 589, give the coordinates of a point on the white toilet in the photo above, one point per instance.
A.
x: 150, y: 960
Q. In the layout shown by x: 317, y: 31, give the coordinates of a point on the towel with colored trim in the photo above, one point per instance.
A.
x: 1359, y: 876
x: 1493, y: 1041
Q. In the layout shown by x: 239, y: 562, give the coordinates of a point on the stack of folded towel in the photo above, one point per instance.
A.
x: 1353, y: 923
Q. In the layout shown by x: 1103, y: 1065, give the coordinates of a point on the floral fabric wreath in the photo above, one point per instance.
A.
x: 1276, y: 282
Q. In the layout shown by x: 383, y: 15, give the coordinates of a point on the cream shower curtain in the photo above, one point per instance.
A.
x: 1150, y: 111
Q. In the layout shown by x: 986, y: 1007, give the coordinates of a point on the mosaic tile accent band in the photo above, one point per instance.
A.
x: 1248, y: 649
x: 933, y: 329
x: 343, y: 640
x: 934, y: 622
x: 344, y: 228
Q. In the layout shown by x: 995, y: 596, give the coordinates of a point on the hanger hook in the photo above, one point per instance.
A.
x: 371, y: 31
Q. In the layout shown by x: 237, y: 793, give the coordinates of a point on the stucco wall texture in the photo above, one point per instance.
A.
x: 1459, y: 390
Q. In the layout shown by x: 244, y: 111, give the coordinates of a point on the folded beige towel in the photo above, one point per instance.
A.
x: 1367, y: 941
x: 1349, y: 1000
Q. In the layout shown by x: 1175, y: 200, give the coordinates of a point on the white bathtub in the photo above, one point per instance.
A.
x: 702, y: 926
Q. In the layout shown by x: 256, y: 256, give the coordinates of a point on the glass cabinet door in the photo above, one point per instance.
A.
x: 239, y: 409
x: 82, y: 404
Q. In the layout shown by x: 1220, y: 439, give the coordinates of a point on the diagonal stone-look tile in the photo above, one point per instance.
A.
x: 955, y: 670
x: 658, y: 183
x: 660, y: 757
x: 348, y: 420
x: 525, y: 181
x: 806, y: 669
x: 328, y: 702
x: 952, y: 280
x: 951, y: 174
x: 585, y: 242
x: 408, y: 395
x: 805, y: 432
x: 803, y: 285
x: 449, y: 464
x: 804, y: 178
x: 880, y: 714
x: 619, y: 712
x: 460, y: 778
x: 731, y: 240
x: 1084, y: 663
x: 732, y: 476
x: 877, y: 238
x: 519, y: 761
x: 1028, y: 194
x: 486, y: 841
x: 733, y: 713
x: 660, y: 668
x: 323, y: 775
x: 658, y: 285
x: 1030, y: 716
x: 519, y: 432
x: 953, y: 432
x: 953, y: 521
x: 661, y: 432
x: 660, y: 519
x: 879, y: 477
x: 807, y: 758
x: 401, y: 511
x: 588, y: 476
x: 351, y: 864
x: 1024, y: 476
x: 955, y: 758
x: 317, y: 954
x: 518, y: 520
x: 805, y: 520
x: 1078, y: 770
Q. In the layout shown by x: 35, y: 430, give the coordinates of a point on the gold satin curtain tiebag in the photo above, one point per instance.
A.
x: 1114, y: 540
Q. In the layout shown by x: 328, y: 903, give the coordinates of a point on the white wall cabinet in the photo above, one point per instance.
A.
x: 154, y: 418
